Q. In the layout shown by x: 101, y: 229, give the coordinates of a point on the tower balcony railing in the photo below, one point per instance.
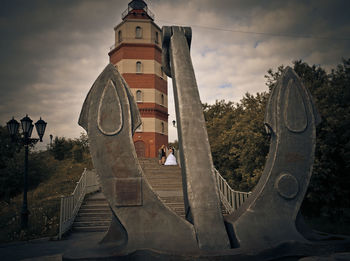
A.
x: 135, y: 40
x: 127, y: 11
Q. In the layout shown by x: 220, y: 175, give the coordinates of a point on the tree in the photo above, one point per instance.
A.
x: 12, y: 166
x: 238, y: 140
x: 80, y: 148
x: 8, y: 146
x: 76, y: 149
x: 174, y: 144
x: 62, y: 148
x: 10, y: 171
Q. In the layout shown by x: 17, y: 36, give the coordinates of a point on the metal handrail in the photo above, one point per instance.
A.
x: 89, y: 183
x: 231, y: 199
x: 71, y: 204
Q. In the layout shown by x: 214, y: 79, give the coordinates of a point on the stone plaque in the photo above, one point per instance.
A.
x: 128, y: 192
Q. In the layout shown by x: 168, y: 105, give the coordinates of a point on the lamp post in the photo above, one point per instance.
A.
x: 27, y: 128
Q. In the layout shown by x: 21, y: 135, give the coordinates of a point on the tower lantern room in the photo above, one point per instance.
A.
x: 137, y: 8
x: 137, y: 53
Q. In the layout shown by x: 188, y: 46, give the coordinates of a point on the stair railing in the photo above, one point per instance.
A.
x: 71, y: 204
x: 89, y: 183
x: 231, y: 199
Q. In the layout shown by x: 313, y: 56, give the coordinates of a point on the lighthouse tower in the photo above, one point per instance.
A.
x: 137, y: 54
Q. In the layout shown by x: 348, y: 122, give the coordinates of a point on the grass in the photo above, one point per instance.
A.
x: 43, y: 203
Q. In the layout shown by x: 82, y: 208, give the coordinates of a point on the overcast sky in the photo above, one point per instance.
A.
x: 52, y: 51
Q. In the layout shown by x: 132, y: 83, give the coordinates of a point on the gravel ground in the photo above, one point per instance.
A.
x: 40, y: 249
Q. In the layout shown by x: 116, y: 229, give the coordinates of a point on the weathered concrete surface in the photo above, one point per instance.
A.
x: 141, y: 220
x: 201, y: 195
x: 287, y: 251
x: 334, y: 257
x: 269, y: 215
x: 44, y: 249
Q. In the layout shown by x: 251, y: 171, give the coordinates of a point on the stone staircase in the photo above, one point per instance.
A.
x: 166, y: 181
x: 95, y: 214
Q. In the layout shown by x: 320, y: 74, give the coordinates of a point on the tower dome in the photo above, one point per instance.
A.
x: 137, y: 4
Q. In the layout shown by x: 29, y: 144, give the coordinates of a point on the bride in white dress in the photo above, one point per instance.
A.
x: 170, y: 160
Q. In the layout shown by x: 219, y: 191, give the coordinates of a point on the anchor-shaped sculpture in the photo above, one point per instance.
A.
x: 141, y: 221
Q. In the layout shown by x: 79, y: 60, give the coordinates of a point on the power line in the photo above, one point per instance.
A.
x: 258, y: 33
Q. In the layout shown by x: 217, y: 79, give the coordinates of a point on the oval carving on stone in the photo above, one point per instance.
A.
x: 110, y: 114
x: 295, y: 116
x: 287, y: 186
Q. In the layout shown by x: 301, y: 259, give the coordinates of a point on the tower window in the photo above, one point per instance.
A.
x: 163, y: 129
x: 162, y: 99
x: 157, y: 37
x: 120, y: 37
x: 138, y: 32
x: 138, y: 67
x: 138, y: 96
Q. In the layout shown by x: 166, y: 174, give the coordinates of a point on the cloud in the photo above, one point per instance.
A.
x: 52, y: 51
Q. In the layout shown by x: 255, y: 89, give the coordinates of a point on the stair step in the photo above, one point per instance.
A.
x: 162, y: 179
x: 161, y: 184
x: 151, y: 168
x: 165, y: 188
x: 91, y: 223
x: 97, y: 211
x: 94, y: 203
x: 86, y: 218
x: 172, y: 173
x: 90, y: 229
x: 95, y: 207
x: 95, y: 214
x: 96, y: 200
x: 100, y: 197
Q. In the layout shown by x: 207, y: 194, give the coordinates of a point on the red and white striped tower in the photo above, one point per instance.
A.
x: 137, y: 54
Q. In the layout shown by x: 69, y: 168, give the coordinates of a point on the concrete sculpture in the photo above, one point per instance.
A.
x: 269, y: 215
x: 267, y: 227
x: 202, y: 201
x: 110, y: 117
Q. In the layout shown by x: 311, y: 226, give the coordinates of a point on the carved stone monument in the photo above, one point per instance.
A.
x: 269, y: 215
x: 110, y: 117
x: 202, y: 201
x: 267, y: 227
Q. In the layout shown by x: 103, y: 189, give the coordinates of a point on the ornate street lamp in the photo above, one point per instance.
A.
x: 40, y: 126
x: 30, y: 130
x: 27, y: 128
x: 26, y: 123
x: 12, y: 127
